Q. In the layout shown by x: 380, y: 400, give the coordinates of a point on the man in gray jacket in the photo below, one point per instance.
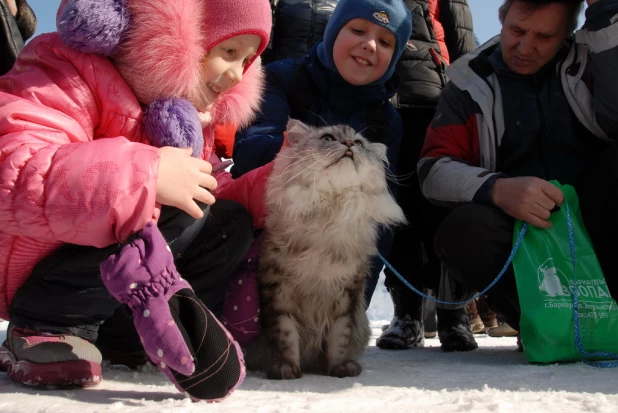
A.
x: 533, y: 104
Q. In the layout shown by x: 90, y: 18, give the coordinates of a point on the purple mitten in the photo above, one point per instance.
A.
x: 179, y: 334
x: 143, y: 276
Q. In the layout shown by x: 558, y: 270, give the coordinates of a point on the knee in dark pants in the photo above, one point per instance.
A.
x: 65, y: 294
x: 179, y: 228
x: 467, y: 231
x: 474, y: 242
x: 238, y: 226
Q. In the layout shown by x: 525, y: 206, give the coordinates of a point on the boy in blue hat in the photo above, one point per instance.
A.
x: 347, y: 78
x: 346, y: 75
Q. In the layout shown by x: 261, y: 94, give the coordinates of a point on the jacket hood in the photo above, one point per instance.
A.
x: 159, y: 46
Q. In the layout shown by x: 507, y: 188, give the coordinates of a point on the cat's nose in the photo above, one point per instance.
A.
x: 348, y: 143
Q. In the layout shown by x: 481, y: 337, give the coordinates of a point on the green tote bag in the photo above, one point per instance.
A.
x: 566, y: 316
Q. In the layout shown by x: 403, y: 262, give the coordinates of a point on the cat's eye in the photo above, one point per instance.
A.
x: 358, y: 142
x: 328, y: 137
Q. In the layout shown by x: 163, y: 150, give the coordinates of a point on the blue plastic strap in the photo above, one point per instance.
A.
x: 579, y: 345
x: 508, y: 262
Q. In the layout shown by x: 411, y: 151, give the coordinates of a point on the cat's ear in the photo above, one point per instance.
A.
x: 297, y: 131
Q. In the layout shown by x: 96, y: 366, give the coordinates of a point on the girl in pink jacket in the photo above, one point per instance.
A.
x: 106, y: 194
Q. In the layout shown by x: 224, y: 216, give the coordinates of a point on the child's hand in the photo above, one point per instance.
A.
x: 182, y: 180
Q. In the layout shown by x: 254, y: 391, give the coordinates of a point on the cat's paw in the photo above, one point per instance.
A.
x: 347, y: 368
x: 284, y: 371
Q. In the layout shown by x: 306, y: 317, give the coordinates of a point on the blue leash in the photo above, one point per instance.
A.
x: 508, y: 262
x: 581, y: 352
x: 579, y: 345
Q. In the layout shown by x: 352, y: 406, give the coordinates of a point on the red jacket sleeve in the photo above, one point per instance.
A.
x: 249, y: 190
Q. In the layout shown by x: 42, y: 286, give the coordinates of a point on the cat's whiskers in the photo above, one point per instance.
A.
x: 368, y: 127
x: 336, y: 156
x: 297, y: 161
x: 319, y: 116
x: 334, y: 153
x: 302, y: 171
x: 361, y: 132
x: 295, y: 153
x: 315, y: 176
x: 318, y: 160
x: 388, y: 174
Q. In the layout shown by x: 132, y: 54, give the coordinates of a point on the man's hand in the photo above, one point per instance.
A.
x: 527, y: 198
x: 12, y: 6
x: 182, y: 180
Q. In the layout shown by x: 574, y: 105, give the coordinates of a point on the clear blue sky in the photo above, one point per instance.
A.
x: 484, y: 14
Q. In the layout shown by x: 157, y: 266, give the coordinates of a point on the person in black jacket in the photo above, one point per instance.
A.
x: 17, y: 24
x: 297, y: 25
x: 432, y: 46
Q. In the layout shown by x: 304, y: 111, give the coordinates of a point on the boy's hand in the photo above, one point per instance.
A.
x: 182, y: 180
x: 527, y: 198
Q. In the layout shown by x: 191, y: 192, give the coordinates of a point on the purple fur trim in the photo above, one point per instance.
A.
x: 174, y: 122
x: 93, y: 26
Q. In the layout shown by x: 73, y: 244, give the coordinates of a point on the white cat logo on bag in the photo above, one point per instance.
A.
x: 382, y: 17
x: 556, y: 286
x: 549, y: 281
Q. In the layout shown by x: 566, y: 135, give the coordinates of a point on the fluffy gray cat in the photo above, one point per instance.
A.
x: 326, y: 197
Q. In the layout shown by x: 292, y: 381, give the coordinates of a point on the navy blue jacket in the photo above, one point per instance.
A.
x: 334, y: 102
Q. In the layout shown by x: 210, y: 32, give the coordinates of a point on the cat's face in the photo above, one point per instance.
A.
x: 335, y: 156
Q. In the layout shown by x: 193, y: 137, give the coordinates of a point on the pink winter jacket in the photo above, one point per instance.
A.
x: 75, y: 165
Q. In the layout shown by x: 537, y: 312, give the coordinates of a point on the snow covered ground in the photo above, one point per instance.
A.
x: 494, y: 378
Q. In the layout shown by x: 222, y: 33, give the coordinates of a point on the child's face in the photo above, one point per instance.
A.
x: 362, y: 51
x: 223, y: 67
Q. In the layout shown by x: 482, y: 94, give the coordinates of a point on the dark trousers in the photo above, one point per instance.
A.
x: 65, y: 293
x: 475, y: 240
x: 412, y: 251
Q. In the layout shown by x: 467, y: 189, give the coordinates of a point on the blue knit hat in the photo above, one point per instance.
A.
x: 392, y: 14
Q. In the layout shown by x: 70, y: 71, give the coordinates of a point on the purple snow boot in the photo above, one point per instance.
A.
x: 179, y: 334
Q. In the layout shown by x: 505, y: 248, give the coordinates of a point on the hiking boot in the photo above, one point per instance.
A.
x: 402, y: 333
x: 503, y: 330
x: 477, y: 326
x: 33, y: 358
x: 406, y: 328
x: 430, y: 334
x: 430, y: 319
x: 454, y: 330
x: 493, y: 323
